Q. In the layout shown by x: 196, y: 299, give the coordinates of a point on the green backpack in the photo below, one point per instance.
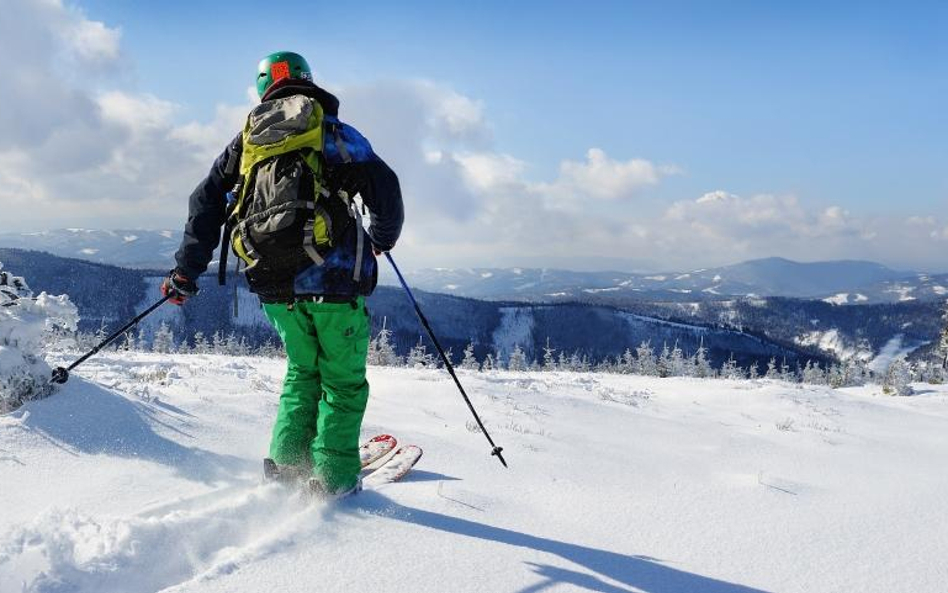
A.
x: 286, y: 216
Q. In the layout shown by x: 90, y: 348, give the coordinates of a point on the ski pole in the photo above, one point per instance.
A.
x: 61, y: 375
x: 444, y: 357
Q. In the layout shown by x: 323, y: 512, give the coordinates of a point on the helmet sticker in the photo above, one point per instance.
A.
x: 279, y: 70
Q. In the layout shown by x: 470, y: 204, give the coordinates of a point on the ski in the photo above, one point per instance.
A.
x: 369, y: 452
x: 376, y: 448
x: 395, y: 467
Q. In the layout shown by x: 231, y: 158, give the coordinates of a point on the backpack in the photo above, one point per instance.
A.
x: 288, y: 214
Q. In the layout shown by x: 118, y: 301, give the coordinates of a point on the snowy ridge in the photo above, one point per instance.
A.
x: 617, y: 483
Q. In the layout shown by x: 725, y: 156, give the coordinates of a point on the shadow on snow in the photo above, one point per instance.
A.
x: 641, y: 572
x: 85, y: 418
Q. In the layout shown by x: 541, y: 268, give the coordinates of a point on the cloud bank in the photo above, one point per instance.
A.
x: 78, y: 149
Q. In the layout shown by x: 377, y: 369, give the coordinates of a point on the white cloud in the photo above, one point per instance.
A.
x: 92, y: 42
x: 602, y: 177
x: 74, y: 155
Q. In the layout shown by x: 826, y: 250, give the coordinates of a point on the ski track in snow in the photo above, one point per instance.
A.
x: 141, y: 475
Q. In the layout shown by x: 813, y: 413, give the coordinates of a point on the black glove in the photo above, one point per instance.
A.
x: 179, y: 287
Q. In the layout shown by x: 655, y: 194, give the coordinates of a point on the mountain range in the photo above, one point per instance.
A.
x: 845, y: 282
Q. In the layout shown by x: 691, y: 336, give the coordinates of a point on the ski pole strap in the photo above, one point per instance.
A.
x: 495, y: 450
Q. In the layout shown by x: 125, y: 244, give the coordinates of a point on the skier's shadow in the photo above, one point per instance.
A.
x: 85, y: 418
x: 641, y: 572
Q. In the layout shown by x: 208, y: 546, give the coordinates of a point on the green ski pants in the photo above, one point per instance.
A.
x: 325, y: 391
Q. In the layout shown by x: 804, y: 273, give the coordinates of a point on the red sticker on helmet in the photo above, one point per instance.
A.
x: 279, y: 70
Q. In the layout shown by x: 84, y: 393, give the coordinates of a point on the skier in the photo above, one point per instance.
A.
x: 282, y: 190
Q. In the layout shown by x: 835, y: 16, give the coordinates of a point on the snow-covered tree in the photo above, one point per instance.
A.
x: 27, y: 325
x: 549, y: 357
x: 898, y: 378
x: 730, y: 369
x: 469, y: 361
x: 772, y: 371
x: 752, y: 371
x: 517, y: 360
x: 786, y: 374
x: 163, y: 341
x: 813, y: 374
x: 626, y: 363
x: 270, y: 349
x: 201, y: 345
x: 381, y: 350
x: 418, y: 356
x: 700, y: 364
x: 219, y: 343
x: 645, y: 360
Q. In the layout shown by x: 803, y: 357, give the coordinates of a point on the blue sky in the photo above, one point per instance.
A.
x: 818, y: 107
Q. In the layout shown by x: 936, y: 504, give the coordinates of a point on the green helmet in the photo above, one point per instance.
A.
x: 280, y: 65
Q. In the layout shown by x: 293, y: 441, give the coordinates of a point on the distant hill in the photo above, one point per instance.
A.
x: 837, y: 282
x: 128, y: 248
x: 846, y: 282
x: 108, y: 295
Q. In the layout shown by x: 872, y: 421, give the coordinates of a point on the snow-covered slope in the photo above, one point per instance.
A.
x: 142, y: 474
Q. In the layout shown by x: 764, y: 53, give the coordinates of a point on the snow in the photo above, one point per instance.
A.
x: 828, y: 340
x: 904, y: 292
x: 839, y: 299
x: 894, y: 348
x: 27, y: 324
x: 598, y: 290
x: 515, y: 329
x: 142, y: 474
x: 88, y: 251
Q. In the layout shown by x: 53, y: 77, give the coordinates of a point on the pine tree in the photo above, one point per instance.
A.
x: 772, y: 372
x: 469, y: 361
x: 752, y: 371
x: 813, y: 374
x: 730, y: 369
x: 898, y: 378
x: 385, y: 354
x: 130, y: 342
x: 200, y: 343
x: 517, y: 360
x: 701, y: 364
x: 418, y: 356
x: 625, y: 364
x: 676, y: 363
x: 562, y: 362
x: 219, y: 344
x: 489, y: 364
x: 549, y: 360
x: 785, y: 373
x: 163, y: 341
x: 645, y: 360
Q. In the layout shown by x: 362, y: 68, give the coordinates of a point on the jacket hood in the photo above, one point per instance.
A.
x: 293, y: 86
